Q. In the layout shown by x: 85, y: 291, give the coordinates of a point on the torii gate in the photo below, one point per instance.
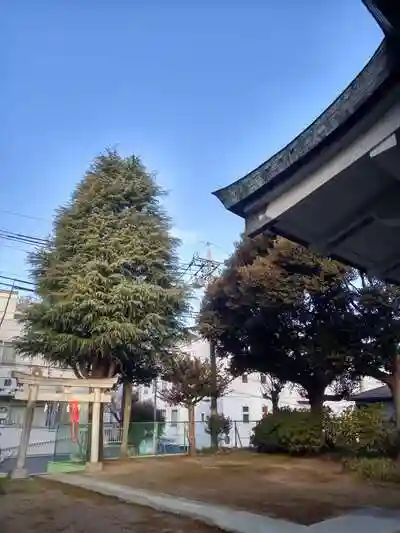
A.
x: 97, y: 393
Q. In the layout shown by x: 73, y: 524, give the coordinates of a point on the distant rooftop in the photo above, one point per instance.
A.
x: 380, y: 394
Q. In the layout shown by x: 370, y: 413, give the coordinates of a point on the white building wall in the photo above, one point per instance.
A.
x: 12, y: 412
x: 243, y: 398
x: 10, y: 327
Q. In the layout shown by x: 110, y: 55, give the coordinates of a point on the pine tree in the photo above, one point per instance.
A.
x: 111, y: 300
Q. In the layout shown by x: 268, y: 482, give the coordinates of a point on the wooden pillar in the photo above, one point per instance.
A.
x: 94, y: 452
x: 20, y: 470
x: 126, y: 417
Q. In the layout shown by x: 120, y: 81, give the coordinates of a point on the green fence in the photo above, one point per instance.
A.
x: 59, y: 450
x: 145, y: 438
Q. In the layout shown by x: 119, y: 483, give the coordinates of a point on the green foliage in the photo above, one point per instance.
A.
x: 191, y: 380
x: 111, y: 299
x: 272, y: 389
x: 220, y: 425
x: 142, y: 423
x: 363, y: 431
x: 281, y: 309
x: 287, y: 431
x: 3, y: 486
x: 374, y: 469
x: 379, y: 315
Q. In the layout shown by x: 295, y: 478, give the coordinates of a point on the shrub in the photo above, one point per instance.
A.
x: 374, y: 469
x: 286, y: 431
x: 221, y: 424
x: 364, y: 431
x: 3, y: 482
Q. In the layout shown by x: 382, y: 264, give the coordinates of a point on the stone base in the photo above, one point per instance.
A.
x: 19, y: 473
x: 93, y: 468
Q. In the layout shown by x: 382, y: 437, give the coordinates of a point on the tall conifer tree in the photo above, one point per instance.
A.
x: 111, y: 299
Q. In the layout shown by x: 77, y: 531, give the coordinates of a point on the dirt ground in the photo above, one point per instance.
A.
x: 301, y: 490
x: 38, y: 506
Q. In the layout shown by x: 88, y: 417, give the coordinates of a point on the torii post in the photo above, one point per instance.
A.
x: 98, y: 393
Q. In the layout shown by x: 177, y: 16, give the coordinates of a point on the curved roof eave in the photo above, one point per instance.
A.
x: 336, y: 116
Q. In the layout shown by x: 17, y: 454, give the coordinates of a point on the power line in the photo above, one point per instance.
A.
x: 20, y: 237
x: 16, y: 287
x: 6, y: 306
x: 17, y: 280
x: 31, y: 217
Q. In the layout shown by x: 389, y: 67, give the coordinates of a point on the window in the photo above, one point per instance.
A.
x: 244, y: 378
x: 7, y: 382
x: 174, y: 418
x: 7, y: 353
x: 245, y: 414
x: 263, y: 379
x: 163, y: 414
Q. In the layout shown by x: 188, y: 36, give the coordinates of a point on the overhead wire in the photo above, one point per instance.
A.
x: 31, y: 217
x: 7, y: 304
x: 20, y: 237
x: 192, y: 269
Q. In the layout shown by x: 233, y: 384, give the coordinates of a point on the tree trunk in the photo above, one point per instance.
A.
x: 89, y: 432
x: 394, y: 385
x: 396, y: 392
x: 275, y: 401
x: 126, y: 418
x: 192, y: 431
x: 316, y: 400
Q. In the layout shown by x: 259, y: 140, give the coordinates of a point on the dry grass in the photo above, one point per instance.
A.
x: 301, y: 490
x: 39, y: 506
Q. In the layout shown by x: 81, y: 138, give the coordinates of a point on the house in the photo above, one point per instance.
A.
x: 379, y: 395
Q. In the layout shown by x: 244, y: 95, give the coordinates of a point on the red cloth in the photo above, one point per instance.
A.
x: 74, y: 419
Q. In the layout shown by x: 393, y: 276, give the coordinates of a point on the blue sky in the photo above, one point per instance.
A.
x: 203, y: 91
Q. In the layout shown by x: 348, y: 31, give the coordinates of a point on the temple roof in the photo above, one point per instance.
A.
x: 340, y: 116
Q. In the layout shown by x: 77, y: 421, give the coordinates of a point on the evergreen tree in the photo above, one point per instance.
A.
x: 111, y: 300
x: 378, y: 307
x: 281, y: 309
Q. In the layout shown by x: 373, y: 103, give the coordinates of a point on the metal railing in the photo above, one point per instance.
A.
x: 144, y: 439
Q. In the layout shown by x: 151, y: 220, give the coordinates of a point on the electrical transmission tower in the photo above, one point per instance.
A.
x: 201, y: 270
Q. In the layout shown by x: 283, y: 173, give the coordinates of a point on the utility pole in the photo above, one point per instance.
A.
x: 201, y: 271
x: 155, y: 423
x: 214, y: 396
